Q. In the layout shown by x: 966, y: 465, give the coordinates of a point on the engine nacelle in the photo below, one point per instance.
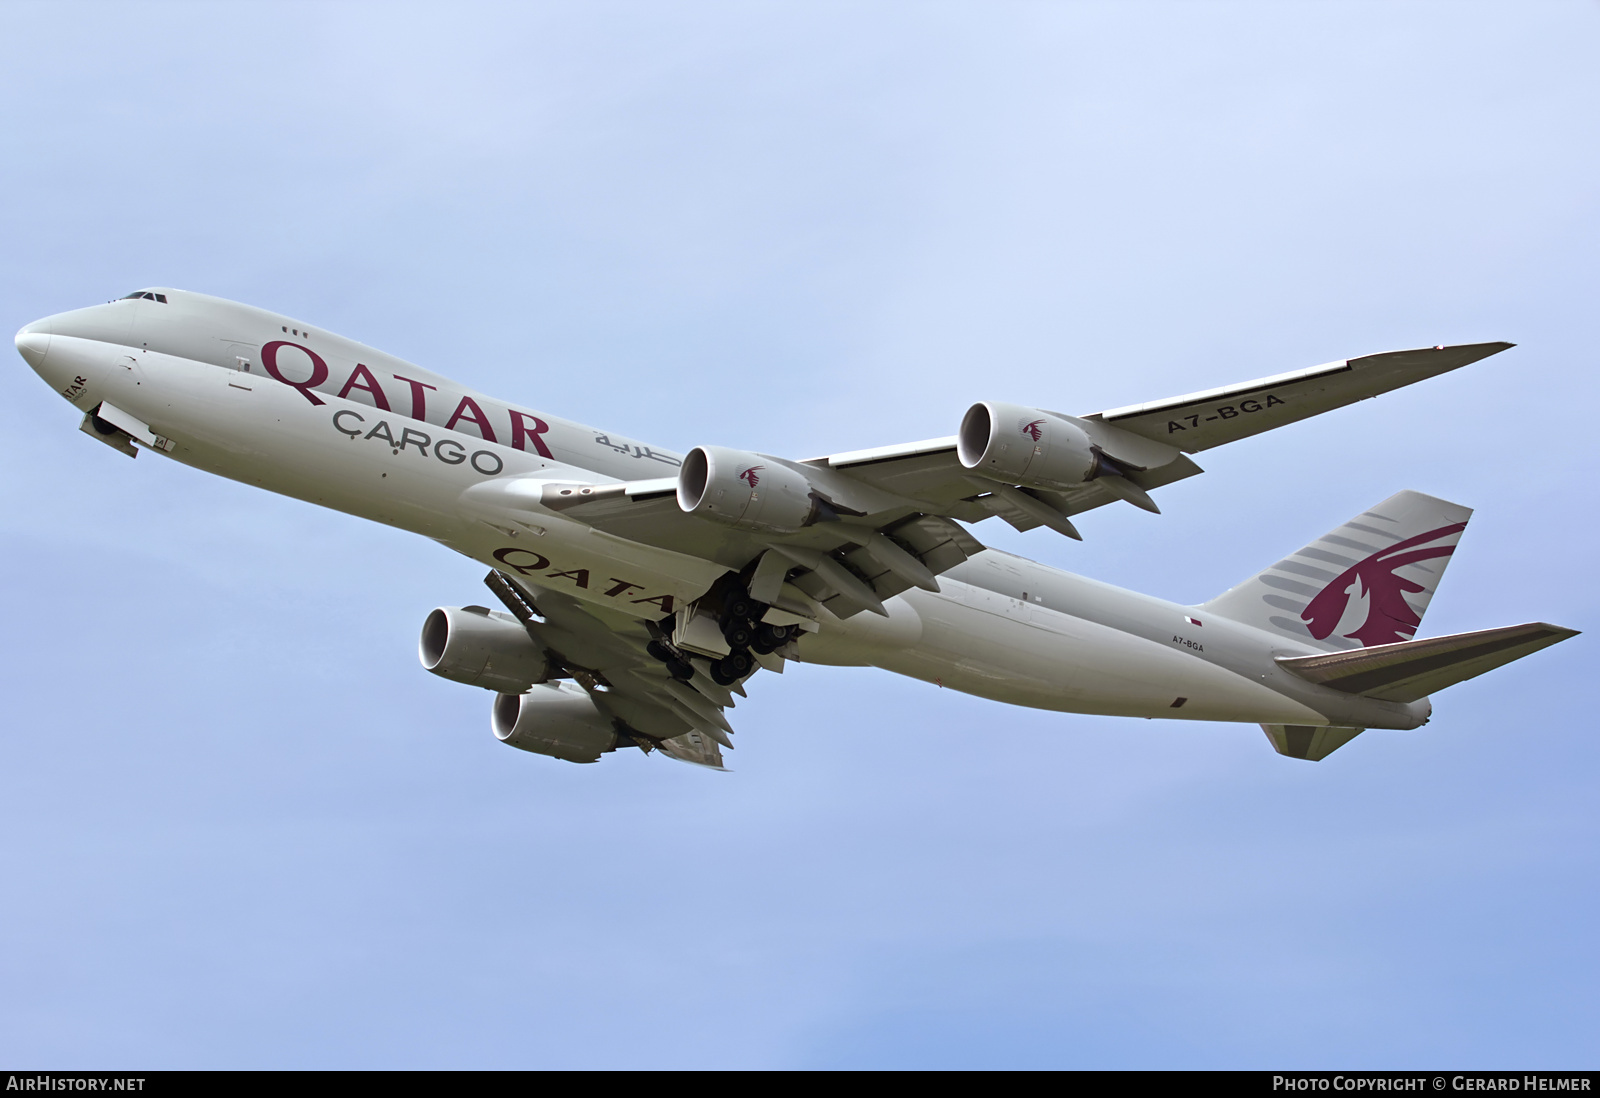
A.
x: 553, y: 719
x: 1026, y: 446
x: 745, y: 490
x: 480, y: 647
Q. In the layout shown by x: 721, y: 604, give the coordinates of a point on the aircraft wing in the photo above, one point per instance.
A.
x: 1202, y: 420
x: 932, y: 470
x: 607, y: 653
x: 932, y: 473
x: 873, y: 545
x: 886, y: 519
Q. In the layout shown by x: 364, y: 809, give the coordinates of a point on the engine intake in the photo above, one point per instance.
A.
x: 480, y: 647
x: 745, y: 490
x: 553, y: 719
x: 1027, y: 446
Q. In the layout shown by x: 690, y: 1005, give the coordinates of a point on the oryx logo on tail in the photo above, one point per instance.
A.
x: 749, y: 475
x: 1390, y: 617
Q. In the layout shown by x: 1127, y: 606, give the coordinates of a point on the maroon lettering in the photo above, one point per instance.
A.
x: 361, y: 378
x: 663, y: 601
x: 468, y: 409
x: 526, y: 428
x: 319, y: 369
x: 523, y: 569
x: 419, y: 399
x: 621, y: 586
x: 579, y: 576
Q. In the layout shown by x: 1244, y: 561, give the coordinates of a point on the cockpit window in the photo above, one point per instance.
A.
x: 146, y: 295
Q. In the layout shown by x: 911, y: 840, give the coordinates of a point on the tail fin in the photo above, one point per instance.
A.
x: 1367, y: 583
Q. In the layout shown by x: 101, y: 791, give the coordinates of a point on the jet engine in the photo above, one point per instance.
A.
x: 745, y: 490
x: 553, y: 719
x: 481, y: 647
x: 1026, y: 446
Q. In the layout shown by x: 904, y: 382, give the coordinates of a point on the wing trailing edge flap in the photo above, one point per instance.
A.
x: 876, y: 544
x: 625, y: 682
x: 870, y: 567
x: 693, y: 747
x: 931, y: 473
x: 1408, y: 671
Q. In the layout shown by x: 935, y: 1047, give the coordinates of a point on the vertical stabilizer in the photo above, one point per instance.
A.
x: 1368, y: 582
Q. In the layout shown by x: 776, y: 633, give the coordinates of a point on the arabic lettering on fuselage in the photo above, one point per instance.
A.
x: 634, y: 450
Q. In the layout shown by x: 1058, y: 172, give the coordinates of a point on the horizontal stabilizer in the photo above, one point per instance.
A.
x: 1410, y: 670
x: 1312, y: 742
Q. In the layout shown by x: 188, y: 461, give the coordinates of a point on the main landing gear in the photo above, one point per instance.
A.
x: 742, y: 630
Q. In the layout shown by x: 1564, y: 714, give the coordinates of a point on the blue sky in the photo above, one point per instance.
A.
x: 240, y: 827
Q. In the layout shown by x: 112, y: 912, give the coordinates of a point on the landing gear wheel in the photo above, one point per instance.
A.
x: 770, y: 638
x: 742, y: 608
x: 731, y: 668
x: 738, y: 634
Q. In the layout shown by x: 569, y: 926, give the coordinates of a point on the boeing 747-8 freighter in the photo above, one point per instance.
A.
x: 642, y: 588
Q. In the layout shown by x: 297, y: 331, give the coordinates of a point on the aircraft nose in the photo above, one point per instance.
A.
x: 33, y: 343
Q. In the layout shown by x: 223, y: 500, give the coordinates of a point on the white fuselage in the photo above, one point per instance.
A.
x: 263, y: 399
